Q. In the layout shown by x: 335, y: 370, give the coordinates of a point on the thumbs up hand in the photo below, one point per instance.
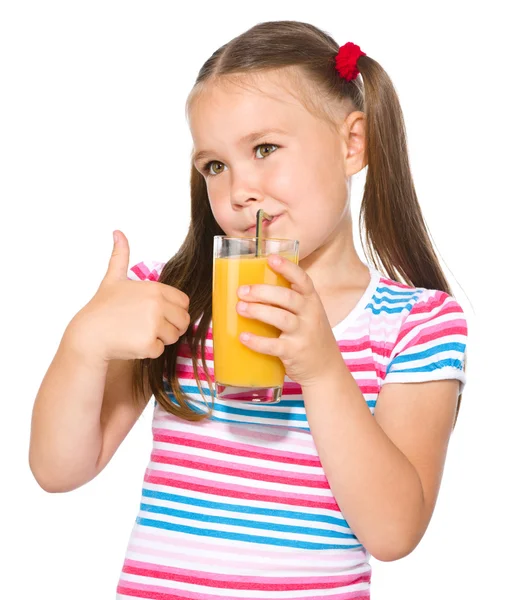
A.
x: 119, y: 262
x: 129, y: 319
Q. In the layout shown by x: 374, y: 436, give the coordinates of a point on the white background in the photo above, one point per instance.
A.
x: 93, y: 138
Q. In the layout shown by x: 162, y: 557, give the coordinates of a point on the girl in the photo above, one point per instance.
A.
x: 287, y: 500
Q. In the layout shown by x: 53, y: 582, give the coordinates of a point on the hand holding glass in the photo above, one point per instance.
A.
x: 241, y: 373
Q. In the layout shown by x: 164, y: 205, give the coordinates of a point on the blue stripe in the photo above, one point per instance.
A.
x: 441, y: 364
x: 219, y: 420
x: 182, y: 514
x: 390, y: 311
x: 448, y: 347
x: 191, y: 389
x: 378, y: 300
x: 261, y: 412
x: 228, y: 535
x: 254, y: 510
x: 282, y: 404
x: 195, y: 390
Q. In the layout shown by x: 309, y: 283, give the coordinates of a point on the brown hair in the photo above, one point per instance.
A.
x: 397, y: 239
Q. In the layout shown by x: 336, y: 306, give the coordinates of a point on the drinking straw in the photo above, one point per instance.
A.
x: 260, y: 215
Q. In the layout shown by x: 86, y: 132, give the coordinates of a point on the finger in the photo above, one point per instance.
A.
x: 264, y: 345
x: 302, y: 283
x: 156, y: 349
x: 174, y: 295
x: 271, y: 315
x: 273, y: 294
x: 119, y: 261
x: 177, y: 316
x: 168, y: 332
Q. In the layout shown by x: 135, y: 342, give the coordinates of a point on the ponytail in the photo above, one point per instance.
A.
x: 397, y: 237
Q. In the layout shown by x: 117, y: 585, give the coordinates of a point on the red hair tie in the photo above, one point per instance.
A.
x: 345, y: 61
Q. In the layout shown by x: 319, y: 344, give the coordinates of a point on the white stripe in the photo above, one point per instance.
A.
x: 354, y: 557
x: 300, y: 440
x: 253, y: 565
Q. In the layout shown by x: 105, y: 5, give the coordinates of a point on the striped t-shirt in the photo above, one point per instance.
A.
x: 238, y: 506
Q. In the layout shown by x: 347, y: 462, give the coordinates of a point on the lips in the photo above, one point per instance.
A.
x: 265, y: 224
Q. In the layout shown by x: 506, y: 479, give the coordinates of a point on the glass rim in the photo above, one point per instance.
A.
x: 264, y: 239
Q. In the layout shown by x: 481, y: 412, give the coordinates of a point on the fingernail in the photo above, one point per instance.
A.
x: 244, y: 290
x: 275, y: 260
x: 242, y: 306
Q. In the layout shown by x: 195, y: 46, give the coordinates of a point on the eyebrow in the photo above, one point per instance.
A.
x: 249, y: 138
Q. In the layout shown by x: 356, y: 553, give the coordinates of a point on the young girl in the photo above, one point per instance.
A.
x: 287, y: 500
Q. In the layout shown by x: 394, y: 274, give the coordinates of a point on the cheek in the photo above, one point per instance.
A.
x: 221, y: 209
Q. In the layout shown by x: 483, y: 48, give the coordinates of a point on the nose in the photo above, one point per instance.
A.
x: 245, y: 188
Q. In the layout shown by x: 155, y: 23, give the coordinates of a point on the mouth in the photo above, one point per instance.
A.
x: 265, y: 225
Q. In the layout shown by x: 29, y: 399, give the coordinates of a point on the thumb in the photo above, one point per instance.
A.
x: 119, y: 261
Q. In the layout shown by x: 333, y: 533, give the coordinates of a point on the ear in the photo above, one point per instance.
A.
x: 353, y: 130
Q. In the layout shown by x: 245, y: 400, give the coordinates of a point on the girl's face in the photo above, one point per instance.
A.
x: 261, y: 148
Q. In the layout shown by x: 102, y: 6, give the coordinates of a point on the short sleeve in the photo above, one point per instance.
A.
x: 143, y: 271
x: 431, y: 344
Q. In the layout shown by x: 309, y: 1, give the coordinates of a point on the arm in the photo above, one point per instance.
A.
x: 384, y: 472
x: 83, y: 410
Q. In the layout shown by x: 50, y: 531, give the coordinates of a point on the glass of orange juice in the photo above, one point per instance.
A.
x: 241, y: 373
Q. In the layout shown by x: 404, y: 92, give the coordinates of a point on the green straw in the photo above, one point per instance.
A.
x: 260, y: 215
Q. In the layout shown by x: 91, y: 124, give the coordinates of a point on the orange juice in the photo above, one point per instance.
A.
x: 235, y: 364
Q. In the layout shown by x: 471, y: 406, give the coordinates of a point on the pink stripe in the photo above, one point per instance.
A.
x: 239, y: 491
x: 233, y: 448
x: 436, y: 332
x: 153, y: 592
x: 360, y: 344
x: 184, y: 351
x: 242, y: 582
x: 459, y: 323
x: 361, y: 365
x: 423, y: 306
x: 143, y: 271
x: 395, y: 284
x: 244, y: 549
x: 366, y: 383
x: 288, y: 388
x: 246, y: 471
x: 353, y: 344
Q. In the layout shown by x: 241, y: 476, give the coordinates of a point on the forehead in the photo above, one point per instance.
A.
x: 243, y: 103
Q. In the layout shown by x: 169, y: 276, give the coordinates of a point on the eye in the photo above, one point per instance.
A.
x: 208, y: 168
x: 264, y: 146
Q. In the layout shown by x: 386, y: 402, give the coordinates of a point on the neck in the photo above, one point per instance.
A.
x: 335, y: 265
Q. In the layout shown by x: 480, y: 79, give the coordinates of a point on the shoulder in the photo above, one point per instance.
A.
x: 428, y: 339
x: 146, y: 270
x: 406, y: 304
